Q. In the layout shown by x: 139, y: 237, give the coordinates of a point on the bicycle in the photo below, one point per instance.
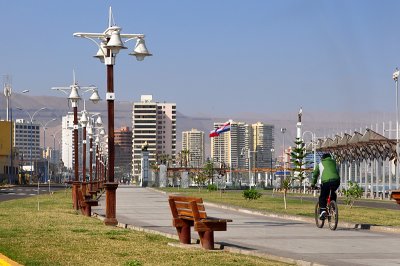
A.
x: 332, y: 213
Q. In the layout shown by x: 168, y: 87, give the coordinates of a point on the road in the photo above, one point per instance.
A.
x: 18, y: 192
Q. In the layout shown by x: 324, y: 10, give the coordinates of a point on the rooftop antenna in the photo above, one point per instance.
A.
x: 7, y: 81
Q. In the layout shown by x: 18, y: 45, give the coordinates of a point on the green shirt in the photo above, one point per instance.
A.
x: 327, y: 170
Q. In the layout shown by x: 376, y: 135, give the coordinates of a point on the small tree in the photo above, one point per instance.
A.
x: 208, y: 170
x: 286, y: 185
x: 200, y: 177
x: 352, y: 193
x: 298, y: 159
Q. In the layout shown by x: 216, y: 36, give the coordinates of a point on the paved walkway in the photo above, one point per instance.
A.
x: 298, y: 240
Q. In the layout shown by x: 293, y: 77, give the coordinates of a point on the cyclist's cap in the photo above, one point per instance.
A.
x: 326, y: 155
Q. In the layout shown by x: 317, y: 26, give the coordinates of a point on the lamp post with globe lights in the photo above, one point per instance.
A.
x: 110, y: 43
x: 31, y: 117
x: 93, y: 125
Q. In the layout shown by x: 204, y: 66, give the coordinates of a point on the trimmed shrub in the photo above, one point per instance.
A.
x: 251, y: 194
x: 212, y: 187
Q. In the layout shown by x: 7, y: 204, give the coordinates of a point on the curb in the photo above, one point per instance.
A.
x: 5, y: 261
x: 370, y: 227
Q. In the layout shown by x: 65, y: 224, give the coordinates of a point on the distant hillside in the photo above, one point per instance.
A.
x: 321, y: 123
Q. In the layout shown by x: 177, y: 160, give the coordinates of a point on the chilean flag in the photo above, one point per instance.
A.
x: 225, y: 127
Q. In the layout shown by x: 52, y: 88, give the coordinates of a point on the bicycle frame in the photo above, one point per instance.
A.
x: 328, y: 200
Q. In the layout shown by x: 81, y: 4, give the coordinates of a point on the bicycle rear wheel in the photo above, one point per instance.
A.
x: 333, y: 215
x: 318, y: 222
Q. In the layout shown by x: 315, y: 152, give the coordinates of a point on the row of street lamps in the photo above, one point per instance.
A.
x: 109, y: 44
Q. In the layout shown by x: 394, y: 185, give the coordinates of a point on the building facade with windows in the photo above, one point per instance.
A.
x: 123, y: 152
x: 193, y: 144
x: 154, y: 124
x: 243, y: 144
x: 67, y: 141
x: 227, y: 148
x: 27, y: 140
x: 262, y: 143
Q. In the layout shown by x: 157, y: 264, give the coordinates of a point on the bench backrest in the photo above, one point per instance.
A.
x: 190, y: 207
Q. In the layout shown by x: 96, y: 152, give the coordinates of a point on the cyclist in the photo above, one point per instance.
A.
x: 330, y: 179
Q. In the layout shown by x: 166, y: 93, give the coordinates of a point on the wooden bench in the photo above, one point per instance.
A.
x: 85, y: 205
x: 395, y: 195
x: 190, y: 211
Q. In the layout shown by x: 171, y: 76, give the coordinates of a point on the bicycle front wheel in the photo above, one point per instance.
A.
x: 333, y: 215
x: 318, y: 222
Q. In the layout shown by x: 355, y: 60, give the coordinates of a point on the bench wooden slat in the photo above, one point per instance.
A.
x: 210, y: 226
x: 185, y: 199
x: 172, y: 206
x: 395, y: 194
x: 189, y: 213
x: 213, y: 219
x: 186, y: 205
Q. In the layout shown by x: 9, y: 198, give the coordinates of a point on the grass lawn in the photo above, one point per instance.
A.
x: 274, y: 204
x: 58, y: 235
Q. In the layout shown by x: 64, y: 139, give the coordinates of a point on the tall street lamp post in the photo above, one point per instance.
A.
x: 109, y: 46
x: 396, y: 80
x: 31, y: 117
x: 53, y: 154
x: 283, y: 130
x: 84, y: 122
x: 272, y: 154
x: 251, y: 178
x: 44, y: 126
x: 313, y: 145
x: 74, y: 97
x: 7, y: 94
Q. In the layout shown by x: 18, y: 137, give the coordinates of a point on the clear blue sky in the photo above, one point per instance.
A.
x: 222, y: 57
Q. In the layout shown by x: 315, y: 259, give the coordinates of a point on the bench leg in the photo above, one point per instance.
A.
x: 88, y: 211
x: 207, y: 239
x: 184, y: 234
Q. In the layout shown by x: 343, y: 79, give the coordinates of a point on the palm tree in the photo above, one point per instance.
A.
x: 185, y: 155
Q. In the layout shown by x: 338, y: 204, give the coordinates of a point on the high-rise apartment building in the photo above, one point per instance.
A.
x: 27, y: 141
x: 228, y: 147
x: 67, y: 139
x: 262, y: 143
x: 153, y: 123
x: 193, y: 142
x: 123, y: 151
x: 244, y: 144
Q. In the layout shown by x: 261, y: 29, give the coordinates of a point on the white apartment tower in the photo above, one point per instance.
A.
x: 153, y: 123
x: 26, y: 139
x: 193, y: 141
x: 67, y: 140
x: 227, y: 147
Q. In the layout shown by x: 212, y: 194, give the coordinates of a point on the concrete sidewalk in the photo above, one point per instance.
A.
x: 300, y: 241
